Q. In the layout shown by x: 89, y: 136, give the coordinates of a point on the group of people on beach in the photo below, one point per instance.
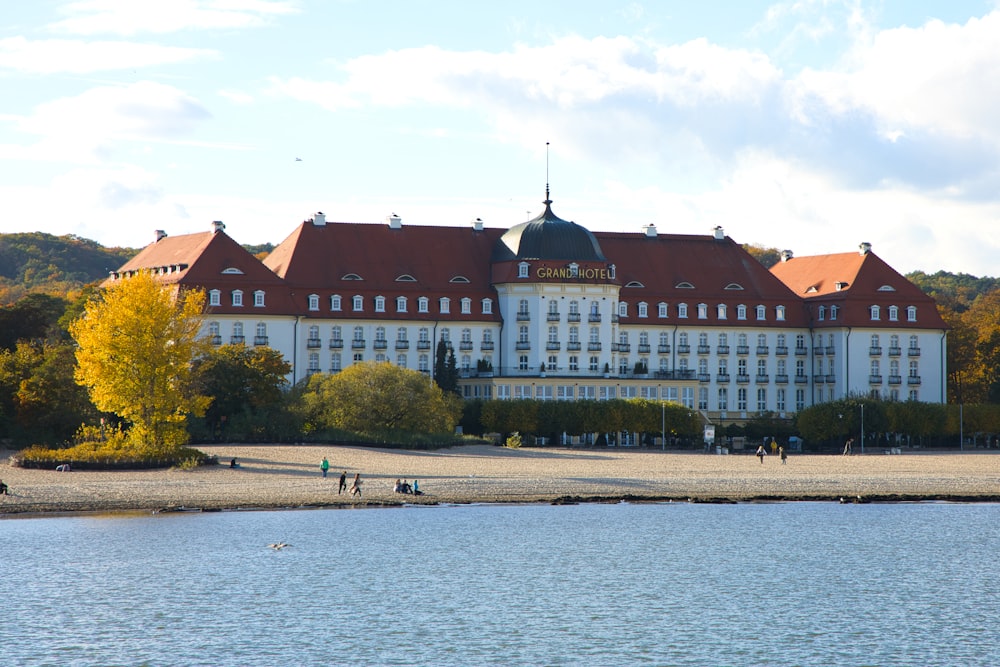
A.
x: 404, y: 487
x: 775, y: 449
x: 355, y: 489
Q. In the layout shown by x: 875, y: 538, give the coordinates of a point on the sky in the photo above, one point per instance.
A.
x: 807, y: 125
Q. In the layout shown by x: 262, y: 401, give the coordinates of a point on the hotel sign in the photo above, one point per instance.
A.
x: 574, y: 271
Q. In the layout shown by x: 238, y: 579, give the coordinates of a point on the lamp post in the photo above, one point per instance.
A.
x: 862, y: 428
x: 663, y: 426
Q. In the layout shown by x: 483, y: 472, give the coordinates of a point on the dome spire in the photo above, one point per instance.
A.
x: 548, y: 200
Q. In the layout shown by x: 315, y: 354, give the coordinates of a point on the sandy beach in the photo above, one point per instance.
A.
x: 278, y: 476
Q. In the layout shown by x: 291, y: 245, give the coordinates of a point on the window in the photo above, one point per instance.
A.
x: 552, y: 363
x: 761, y: 342
x: 400, y: 304
x: 833, y: 312
x: 401, y: 334
x: 359, y: 333
x: 723, y: 399
x: 422, y: 364
x: 741, y: 399
x: 874, y: 312
x: 445, y: 305
x: 762, y: 368
x: 720, y: 311
x: 487, y: 306
x: 800, y: 399
x: 723, y: 340
x: 574, y: 311
x: 661, y: 310
x: 487, y: 335
x: 522, y: 362
x: 595, y: 335
x: 622, y: 309
x: 380, y: 304
x: 522, y: 270
x: 423, y: 336
x: 761, y: 399
x: 313, y: 302
x: 911, y: 313
x: 522, y: 334
x: 466, y: 306
x: 335, y: 302
x: 822, y: 313
x: 682, y: 310
x: 553, y: 309
x: 258, y: 299
x: 522, y: 309
x: 574, y: 363
x: 702, y: 311
x: 401, y: 360
x: 741, y: 312
x: 780, y: 400
x: 466, y: 363
x: 423, y: 304
x: 237, y: 297
x: 761, y: 312
x: 358, y: 303
x: 623, y: 343
x: 335, y: 333
x: 313, y: 362
x: 214, y: 297
x: 574, y: 334
x: 893, y: 313
x: 593, y: 366
x: 643, y: 309
x: 335, y: 362
x: 380, y: 334
x: 446, y: 336
x: 261, y: 332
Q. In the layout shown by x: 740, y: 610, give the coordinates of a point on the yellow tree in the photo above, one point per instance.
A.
x: 136, y: 343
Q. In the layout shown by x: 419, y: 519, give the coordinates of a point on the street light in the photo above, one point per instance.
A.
x: 862, y: 428
x: 663, y: 426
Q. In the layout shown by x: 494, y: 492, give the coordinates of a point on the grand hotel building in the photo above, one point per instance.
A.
x: 550, y: 310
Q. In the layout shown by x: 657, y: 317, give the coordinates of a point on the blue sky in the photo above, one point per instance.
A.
x: 811, y: 125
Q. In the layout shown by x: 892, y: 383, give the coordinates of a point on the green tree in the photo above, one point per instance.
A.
x: 374, y: 398
x: 136, y: 345
x: 445, y: 368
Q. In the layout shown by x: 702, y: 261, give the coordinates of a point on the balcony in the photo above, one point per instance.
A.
x: 573, y: 346
x: 819, y: 379
x: 380, y: 344
x: 831, y: 379
x: 663, y: 349
x: 830, y: 350
x: 524, y: 317
x: 614, y: 318
x: 312, y: 343
x: 215, y: 340
x: 553, y: 346
x: 819, y: 350
x: 742, y: 379
x: 465, y: 346
x: 643, y: 348
x: 801, y: 379
x: 913, y: 352
x: 742, y: 349
x: 874, y: 379
x: 336, y: 343
x: 683, y: 349
x: 781, y: 350
x: 781, y: 379
x: 402, y: 345
x: 552, y: 317
x: 895, y: 351
x: 260, y: 340
x: 761, y: 379
x: 486, y: 345
x: 913, y: 380
x: 593, y: 347
x: 762, y: 350
x: 723, y: 378
x: 423, y: 345
x: 594, y: 317
x: 895, y: 379
x: 358, y: 344
x: 236, y: 340
x: 573, y: 317
x: 685, y: 374
x: 801, y: 351
x: 722, y: 349
x: 704, y: 377
x: 704, y: 349
x: 522, y: 345
x: 875, y: 351
x: 624, y: 347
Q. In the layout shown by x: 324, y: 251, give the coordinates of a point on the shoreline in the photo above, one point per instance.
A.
x: 280, y: 477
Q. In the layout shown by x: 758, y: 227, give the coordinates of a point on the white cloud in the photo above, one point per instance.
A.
x: 129, y: 17
x: 59, y: 55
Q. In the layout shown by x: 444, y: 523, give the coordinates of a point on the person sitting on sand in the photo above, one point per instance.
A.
x: 397, y: 487
x: 416, y: 488
x: 63, y: 467
x: 4, y: 490
x: 405, y: 488
x: 234, y: 464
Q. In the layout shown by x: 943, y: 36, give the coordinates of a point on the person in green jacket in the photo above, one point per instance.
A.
x: 324, y: 466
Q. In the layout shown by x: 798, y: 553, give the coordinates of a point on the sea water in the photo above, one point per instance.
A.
x: 593, y: 584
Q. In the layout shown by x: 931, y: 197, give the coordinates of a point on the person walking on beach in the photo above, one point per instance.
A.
x: 356, y: 487
x: 761, y: 452
x: 343, y: 483
x: 774, y: 446
x: 783, y: 454
x: 847, y: 446
x: 324, y: 466
x: 4, y: 490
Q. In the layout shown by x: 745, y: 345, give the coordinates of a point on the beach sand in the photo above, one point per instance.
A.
x: 278, y: 476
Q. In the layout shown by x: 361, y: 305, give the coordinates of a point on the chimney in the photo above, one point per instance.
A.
x: 395, y: 222
x: 160, y: 234
x: 319, y: 219
x: 719, y: 234
x: 650, y: 231
x: 865, y: 248
x: 217, y: 226
x: 786, y: 255
x: 477, y: 225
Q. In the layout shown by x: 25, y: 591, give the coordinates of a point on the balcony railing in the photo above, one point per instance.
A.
x: 895, y: 351
x: 402, y: 344
x: 913, y: 352
x: 722, y: 349
x: 819, y: 379
x: 819, y: 350
x: 874, y: 379
x: 524, y: 317
x: 614, y: 317
x: 801, y: 379
x: 643, y: 348
x: 573, y: 346
x: 465, y: 346
x: 760, y: 379
x: 423, y: 345
x: 552, y: 317
x: 742, y: 379
x: 831, y: 350
x: 215, y: 340
x: 781, y: 378
x: 594, y: 317
x: 553, y: 346
x: 593, y: 347
x: 260, y: 340
x: 875, y: 351
x: 781, y: 350
x: 683, y: 349
x: 704, y: 349
x: 704, y: 377
x: 895, y: 379
x: 663, y: 349
x: 236, y: 340
x: 831, y: 379
x: 762, y: 350
x: 522, y: 345
x: 358, y: 344
x: 486, y: 345
x: 723, y: 378
x: 380, y: 344
x: 573, y: 317
x: 336, y: 343
x: 742, y: 349
x: 624, y: 347
x: 801, y: 351
x: 314, y: 343
x: 675, y: 375
x: 913, y: 380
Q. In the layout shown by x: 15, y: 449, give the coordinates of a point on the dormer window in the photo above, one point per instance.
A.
x: 380, y: 304
x: 875, y: 312
x: 352, y: 276
x: 643, y: 309
x: 459, y: 279
x: 444, y: 304
x: 682, y: 310
x: 741, y: 312
x: 237, y: 295
x: 661, y: 310
x: 911, y: 313
x: 522, y: 270
x: 358, y: 303
x: 258, y: 298
x: 893, y: 313
x: 684, y: 285
x: 574, y: 270
x: 822, y: 313
x: 761, y: 313
x: 720, y: 311
x: 779, y: 313
x: 400, y: 304
x: 487, y: 306
x: 733, y: 286
x: 335, y: 302
x: 215, y: 297
x: 406, y: 278
x: 314, y: 302
x: 622, y: 309
x: 423, y: 305
x: 702, y: 311
x: 886, y: 288
x: 634, y: 283
x: 232, y: 271
x: 466, y: 306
